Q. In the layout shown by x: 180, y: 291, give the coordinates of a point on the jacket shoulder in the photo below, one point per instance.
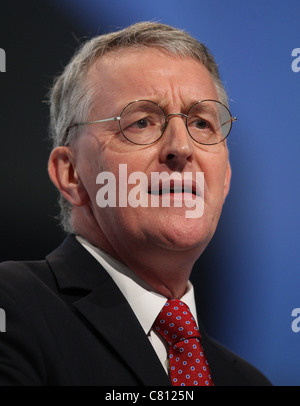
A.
x: 22, y: 275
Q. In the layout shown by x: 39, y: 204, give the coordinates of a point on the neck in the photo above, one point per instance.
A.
x: 167, y: 271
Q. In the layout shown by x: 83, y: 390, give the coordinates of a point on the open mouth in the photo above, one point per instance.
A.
x: 173, y: 187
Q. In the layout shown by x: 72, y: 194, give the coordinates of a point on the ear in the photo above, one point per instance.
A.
x: 62, y: 171
x: 227, y: 180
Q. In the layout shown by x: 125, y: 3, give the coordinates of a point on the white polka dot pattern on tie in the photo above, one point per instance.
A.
x: 188, y: 365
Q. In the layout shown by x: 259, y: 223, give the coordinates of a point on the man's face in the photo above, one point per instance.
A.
x: 175, y: 84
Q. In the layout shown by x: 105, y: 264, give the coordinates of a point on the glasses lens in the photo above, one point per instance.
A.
x: 142, y: 122
x: 209, y: 122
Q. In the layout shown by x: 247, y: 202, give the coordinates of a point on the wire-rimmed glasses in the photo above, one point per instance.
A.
x: 143, y: 122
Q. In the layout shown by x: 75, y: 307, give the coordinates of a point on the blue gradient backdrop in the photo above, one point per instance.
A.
x: 256, y: 280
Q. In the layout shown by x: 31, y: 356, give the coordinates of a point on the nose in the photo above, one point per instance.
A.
x: 177, y: 146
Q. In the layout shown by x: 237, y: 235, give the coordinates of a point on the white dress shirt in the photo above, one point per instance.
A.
x: 145, y: 303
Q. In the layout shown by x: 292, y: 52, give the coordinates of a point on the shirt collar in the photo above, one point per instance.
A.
x: 145, y: 303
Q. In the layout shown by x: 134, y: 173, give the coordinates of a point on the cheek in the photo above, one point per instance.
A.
x: 88, y: 167
x: 134, y: 165
x: 113, y: 178
x: 215, y: 179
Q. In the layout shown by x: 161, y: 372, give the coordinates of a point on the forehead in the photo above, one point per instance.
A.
x: 126, y: 75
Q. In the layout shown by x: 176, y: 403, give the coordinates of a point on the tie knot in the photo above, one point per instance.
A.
x: 175, y: 322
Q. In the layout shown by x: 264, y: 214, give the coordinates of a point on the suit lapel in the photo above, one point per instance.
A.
x: 104, y: 306
x: 112, y: 317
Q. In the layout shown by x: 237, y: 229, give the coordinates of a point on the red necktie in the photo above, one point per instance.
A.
x: 188, y: 365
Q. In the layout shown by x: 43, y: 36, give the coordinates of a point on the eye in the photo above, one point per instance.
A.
x: 140, y: 124
x: 198, y: 123
x: 201, y: 124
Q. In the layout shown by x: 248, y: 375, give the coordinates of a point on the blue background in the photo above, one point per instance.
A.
x: 251, y: 268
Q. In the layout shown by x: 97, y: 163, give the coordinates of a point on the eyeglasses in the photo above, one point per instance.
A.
x: 143, y: 122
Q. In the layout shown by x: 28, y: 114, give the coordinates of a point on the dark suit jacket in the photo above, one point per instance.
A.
x: 67, y: 323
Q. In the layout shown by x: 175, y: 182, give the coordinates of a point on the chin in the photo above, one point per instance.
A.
x: 182, y: 234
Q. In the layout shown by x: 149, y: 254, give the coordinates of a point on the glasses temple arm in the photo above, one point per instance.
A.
x: 89, y: 122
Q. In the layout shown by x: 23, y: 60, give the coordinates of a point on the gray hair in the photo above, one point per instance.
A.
x: 71, y: 95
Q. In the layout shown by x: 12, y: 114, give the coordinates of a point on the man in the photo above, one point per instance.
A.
x: 142, y: 101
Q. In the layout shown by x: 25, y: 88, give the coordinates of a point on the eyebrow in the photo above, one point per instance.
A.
x: 206, y: 108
